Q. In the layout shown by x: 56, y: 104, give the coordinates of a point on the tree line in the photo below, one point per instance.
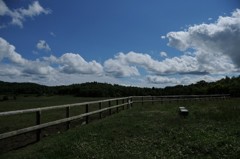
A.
x: 226, y: 85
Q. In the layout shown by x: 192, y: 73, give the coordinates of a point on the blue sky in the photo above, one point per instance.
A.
x: 153, y: 43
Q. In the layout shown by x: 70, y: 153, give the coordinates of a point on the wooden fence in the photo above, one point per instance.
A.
x: 120, y: 103
x: 152, y: 99
x: 123, y: 103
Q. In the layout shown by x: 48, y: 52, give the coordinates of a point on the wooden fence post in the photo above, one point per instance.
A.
x: 109, y: 105
x: 86, y: 111
x: 123, y: 103
x: 38, y: 122
x: 117, y: 104
x: 131, y: 101
x: 100, y: 107
x: 67, y: 116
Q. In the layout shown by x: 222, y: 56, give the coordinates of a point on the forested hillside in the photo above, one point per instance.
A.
x: 94, y: 89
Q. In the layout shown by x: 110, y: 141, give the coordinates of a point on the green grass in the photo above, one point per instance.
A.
x: 212, y: 130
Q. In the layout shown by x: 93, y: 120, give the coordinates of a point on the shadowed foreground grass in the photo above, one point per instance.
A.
x: 212, y: 130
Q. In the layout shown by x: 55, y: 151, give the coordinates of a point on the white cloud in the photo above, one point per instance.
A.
x: 9, y: 71
x: 19, y: 15
x: 126, y: 64
x: 73, y: 63
x: 42, y: 45
x: 3, y: 8
x: 46, y: 70
x: 8, y: 51
x: 183, y: 80
x: 51, y: 59
x: 162, y: 80
x: 20, y: 64
x: 33, y: 10
x: 213, y: 43
x: 37, y: 68
x: 163, y: 54
x: 69, y: 63
x: 198, y: 63
x: 119, y: 68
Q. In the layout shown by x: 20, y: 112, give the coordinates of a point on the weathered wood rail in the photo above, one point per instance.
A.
x: 119, y: 103
x: 152, y: 99
x: 126, y: 101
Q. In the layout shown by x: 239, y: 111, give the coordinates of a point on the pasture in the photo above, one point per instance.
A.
x: 212, y: 130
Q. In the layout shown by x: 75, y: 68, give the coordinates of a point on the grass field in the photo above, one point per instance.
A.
x: 212, y: 130
x: 31, y: 101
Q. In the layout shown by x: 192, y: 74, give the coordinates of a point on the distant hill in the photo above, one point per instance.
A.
x: 94, y: 89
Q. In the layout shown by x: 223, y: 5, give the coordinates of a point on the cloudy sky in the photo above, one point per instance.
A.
x: 154, y: 43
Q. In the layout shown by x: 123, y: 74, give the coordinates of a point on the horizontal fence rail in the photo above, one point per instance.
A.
x: 41, y: 126
x: 57, y: 107
x: 143, y: 99
x: 126, y: 101
x: 120, y: 102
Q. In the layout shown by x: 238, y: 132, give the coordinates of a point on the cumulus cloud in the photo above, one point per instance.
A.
x: 9, y: 70
x: 163, y: 72
x: 20, y: 65
x: 18, y: 16
x: 119, y: 68
x: 3, y: 8
x: 161, y: 80
x: 215, y: 44
x: 37, y: 68
x: 126, y: 64
x: 51, y: 59
x: 42, y: 45
x: 74, y: 63
x: 33, y: 10
x: 183, y: 80
x: 8, y: 51
x: 199, y: 63
x: 14, y: 66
